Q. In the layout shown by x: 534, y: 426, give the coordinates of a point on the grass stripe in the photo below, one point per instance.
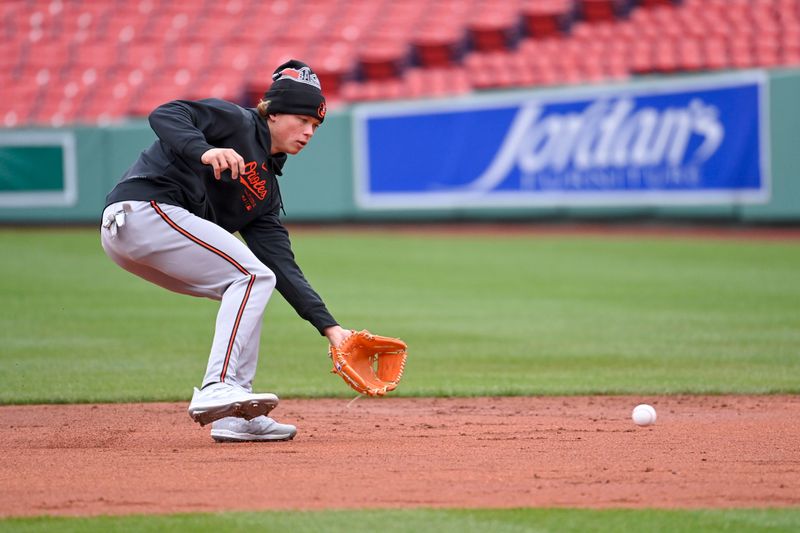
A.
x: 439, y: 520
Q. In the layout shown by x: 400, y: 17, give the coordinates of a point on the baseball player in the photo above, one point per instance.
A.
x: 171, y: 218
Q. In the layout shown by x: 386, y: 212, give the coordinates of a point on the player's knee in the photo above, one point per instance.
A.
x: 264, y: 278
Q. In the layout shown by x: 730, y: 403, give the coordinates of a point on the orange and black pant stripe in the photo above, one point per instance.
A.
x: 230, y: 260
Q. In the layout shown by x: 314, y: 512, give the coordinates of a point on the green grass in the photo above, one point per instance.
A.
x: 482, y: 315
x: 440, y: 521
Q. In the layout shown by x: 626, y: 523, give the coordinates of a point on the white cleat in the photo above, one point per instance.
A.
x: 261, y: 428
x: 222, y: 400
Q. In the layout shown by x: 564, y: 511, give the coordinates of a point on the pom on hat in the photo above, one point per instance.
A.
x: 296, y: 90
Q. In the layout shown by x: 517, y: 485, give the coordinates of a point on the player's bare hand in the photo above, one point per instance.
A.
x: 337, y: 335
x: 222, y: 159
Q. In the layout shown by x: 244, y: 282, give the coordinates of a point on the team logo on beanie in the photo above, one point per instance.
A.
x: 296, y: 90
x: 302, y: 75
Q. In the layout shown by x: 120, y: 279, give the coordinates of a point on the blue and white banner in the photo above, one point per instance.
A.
x: 692, y: 141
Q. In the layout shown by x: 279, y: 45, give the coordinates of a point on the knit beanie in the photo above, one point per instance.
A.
x: 296, y: 90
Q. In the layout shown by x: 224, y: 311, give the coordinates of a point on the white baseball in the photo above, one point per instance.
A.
x: 644, y: 415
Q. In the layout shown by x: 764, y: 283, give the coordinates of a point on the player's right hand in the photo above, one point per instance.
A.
x: 222, y: 159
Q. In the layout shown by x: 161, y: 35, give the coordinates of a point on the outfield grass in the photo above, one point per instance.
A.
x: 483, y: 315
x: 439, y: 520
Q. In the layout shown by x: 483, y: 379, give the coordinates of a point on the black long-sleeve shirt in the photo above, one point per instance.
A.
x: 170, y: 171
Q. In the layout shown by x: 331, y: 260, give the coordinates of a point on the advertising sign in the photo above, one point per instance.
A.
x: 692, y: 141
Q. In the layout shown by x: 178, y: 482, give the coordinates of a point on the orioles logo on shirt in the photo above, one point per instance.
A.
x: 252, y: 181
x: 255, y: 188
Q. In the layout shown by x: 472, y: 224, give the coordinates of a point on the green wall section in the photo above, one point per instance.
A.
x: 318, y: 184
x: 784, y: 116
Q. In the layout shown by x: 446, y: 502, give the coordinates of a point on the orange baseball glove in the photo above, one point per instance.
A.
x: 369, y: 363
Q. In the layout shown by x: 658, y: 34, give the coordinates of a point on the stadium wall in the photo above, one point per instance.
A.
x: 61, y: 175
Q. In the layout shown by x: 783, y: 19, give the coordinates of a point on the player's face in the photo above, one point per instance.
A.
x: 291, y: 133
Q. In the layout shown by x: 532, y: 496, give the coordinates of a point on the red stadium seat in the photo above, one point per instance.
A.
x: 128, y: 21
x: 652, y: 3
x: 351, y: 91
x: 690, y: 54
x: 642, y: 58
x: 94, y: 54
x: 19, y: 102
x: 53, y: 54
x: 87, y: 22
x: 331, y: 75
x: 382, y: 61
x: 12, y: 55
x: 148, y: 56
x: 665, y: 57
x: 492, y: 29
x: 214, y: 86
x: 437, y: 47
x: 172, y: 25
x: 152, y: 96
x: 195, y: 54
x: 234, y: 58
x: 110, y: 99
x: 488, y: 70
x: 596, y: 10
x: 715, y: 54
x: 436, y: 81
x: 547, y: 18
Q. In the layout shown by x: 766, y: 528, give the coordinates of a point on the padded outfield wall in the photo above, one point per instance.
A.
x: 719, y: 147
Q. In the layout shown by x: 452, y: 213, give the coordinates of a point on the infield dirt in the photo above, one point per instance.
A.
x: 718, y: 451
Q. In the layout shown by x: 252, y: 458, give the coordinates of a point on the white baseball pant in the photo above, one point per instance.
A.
x: 173, y: 248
